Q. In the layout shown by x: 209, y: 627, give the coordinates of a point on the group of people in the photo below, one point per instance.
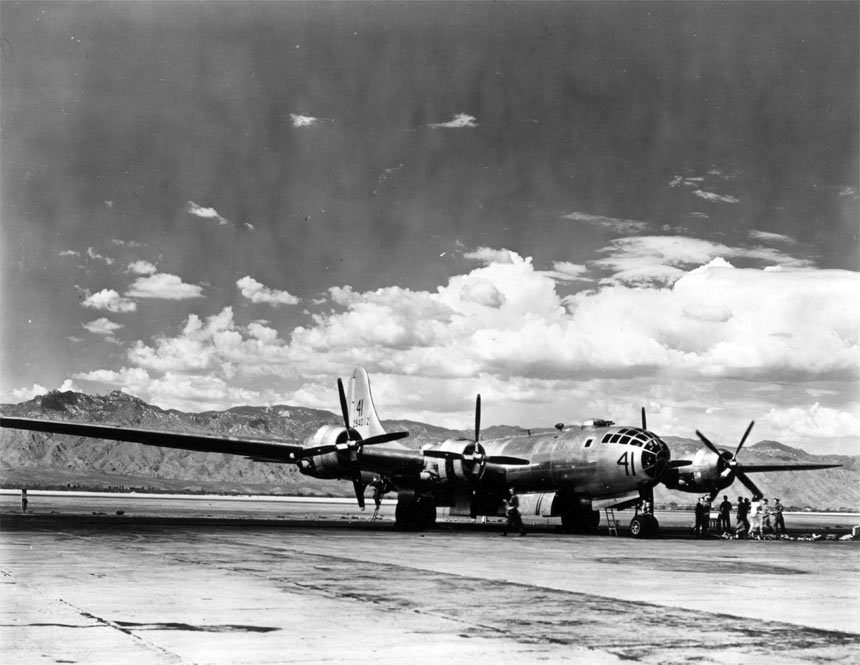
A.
x: 754, y: 519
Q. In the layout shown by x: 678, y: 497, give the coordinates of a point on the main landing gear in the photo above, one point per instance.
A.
x: 644, y: 524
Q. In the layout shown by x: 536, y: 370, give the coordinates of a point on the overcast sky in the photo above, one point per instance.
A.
x: 572, y: 208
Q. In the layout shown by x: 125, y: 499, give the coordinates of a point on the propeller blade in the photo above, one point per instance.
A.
x: 383, y: 438
x: 759, y: 468
x: 343, y: 407
x: 644, y: 422
x: 444, y: 454
x: 744, y: 438
x: 359, y: 489
x: 503, y: 459
x: 675, y: 463
x: 750, y: 485
x: 317, y: 450
x: 478, y: 418
x: 710, y: 445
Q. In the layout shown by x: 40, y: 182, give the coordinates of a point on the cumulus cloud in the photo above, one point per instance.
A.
x: 103, y: 326
x: 258, y: 293
x: 303, y: 120
x: 69, y: 252
x: 798, y: 425
x: 459, y: 121
x: 487, y: 255
x: 206, y: 213
x: 610, y: 223
x: 109, y: 300
x: 163, y: 286
x: 141, y: 268
x: 503, y: 329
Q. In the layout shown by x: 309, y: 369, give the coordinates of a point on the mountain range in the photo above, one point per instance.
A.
x: 45, y: 461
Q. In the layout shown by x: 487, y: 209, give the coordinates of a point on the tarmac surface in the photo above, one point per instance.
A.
x: 183, y: 581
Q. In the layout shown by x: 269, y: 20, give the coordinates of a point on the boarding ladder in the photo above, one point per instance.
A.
x: 611, y: 521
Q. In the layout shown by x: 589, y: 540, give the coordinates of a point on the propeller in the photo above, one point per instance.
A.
x: 731, y: 468
x: 351, y: 446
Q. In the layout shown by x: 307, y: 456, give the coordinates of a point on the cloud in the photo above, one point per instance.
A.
x: 766, y: 236
x: 849, y: 192
x: 103, y: 326
x: 98, y: 257
x: 487, y: 255
x: 716, y: 198
x: 459, y: 121
x: 141, y: 268
x: 303, y: 120
x: 26, y: 394
x: 798, y: 425
x: 111, y: 301
x: 206, y: 213
x: 613, y: 224
x: 710, y: 339
x: 661, y: 260
x: 258, y: 293
x: 163, y: 286
x: 69, y: 252
x: 568, y: 272
x: 687, y: 181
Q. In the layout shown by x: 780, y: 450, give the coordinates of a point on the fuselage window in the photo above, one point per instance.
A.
x: 588, y: 442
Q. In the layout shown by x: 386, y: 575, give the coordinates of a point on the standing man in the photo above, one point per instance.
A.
x: 24, y: 500
x: 743, y: 524
x: 755, y: 513
x: 725, y: 513
x: 778, y: 521
x: 765, y: 517
x: 512, y: 511
x: 701, y: 528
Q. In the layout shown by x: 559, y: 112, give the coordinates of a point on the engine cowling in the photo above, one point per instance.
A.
x: 707, y: 473
x: 335, y: 464
x: 466, y: 464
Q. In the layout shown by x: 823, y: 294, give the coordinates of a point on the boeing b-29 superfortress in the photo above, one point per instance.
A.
x: 571, y: 473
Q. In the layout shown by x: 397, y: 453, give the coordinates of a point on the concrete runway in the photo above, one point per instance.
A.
x: 301, y: 588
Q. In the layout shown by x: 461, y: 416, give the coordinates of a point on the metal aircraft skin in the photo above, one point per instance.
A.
x: 570, y: 473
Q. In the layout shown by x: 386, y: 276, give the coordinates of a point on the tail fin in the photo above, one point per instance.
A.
x: 362, y: 413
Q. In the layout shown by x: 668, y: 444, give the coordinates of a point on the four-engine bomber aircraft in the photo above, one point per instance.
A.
x: 571, y: 473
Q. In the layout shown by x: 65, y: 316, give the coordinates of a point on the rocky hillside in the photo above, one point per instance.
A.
x: 39, y: 460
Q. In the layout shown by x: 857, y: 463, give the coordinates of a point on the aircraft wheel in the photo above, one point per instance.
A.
x: 638, y: 527
x: 653, y: 526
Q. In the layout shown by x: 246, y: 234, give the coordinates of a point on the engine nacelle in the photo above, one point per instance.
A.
x: 707, y: 473
x: 465, y: 465
x: 327, y: 465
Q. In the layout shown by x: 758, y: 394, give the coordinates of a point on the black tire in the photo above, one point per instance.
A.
x: 638, y: 527
x: 653, y: 526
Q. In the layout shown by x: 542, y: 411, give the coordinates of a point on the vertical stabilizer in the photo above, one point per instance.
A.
x: 362, y: 413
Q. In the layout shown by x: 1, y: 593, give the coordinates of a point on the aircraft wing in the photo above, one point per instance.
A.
x: 257, y: 449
